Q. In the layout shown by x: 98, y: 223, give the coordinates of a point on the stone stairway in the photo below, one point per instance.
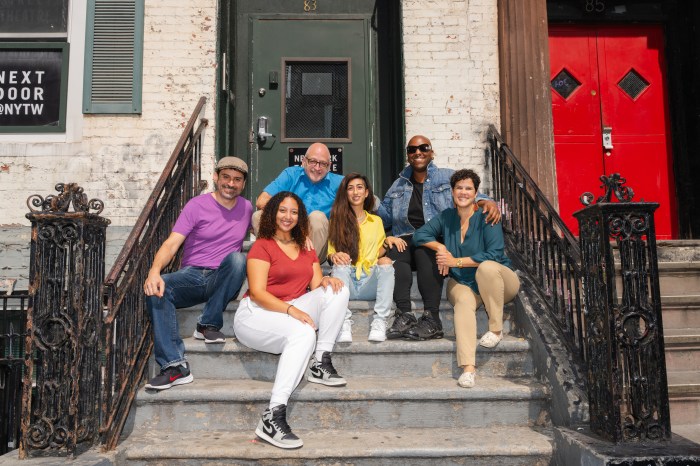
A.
x: 679, y: 272
x: 402, y: 405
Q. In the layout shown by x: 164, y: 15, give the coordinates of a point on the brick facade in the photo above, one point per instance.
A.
x: 451, y: 79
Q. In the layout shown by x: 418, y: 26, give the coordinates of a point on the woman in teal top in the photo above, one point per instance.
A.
x: 472, y: 254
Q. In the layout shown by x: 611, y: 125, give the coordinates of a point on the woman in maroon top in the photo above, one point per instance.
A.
x: 277, y: 315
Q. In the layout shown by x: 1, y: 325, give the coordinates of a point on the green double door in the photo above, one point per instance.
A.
x: 296, y: 77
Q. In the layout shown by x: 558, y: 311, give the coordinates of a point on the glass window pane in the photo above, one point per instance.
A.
x: 33, y: 16
x: 316, y: 100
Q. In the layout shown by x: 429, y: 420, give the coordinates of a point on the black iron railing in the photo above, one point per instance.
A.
x: 127, y: 327
x: 627, y: 381
x: 538, y: 241
x: 64, y: 323
x: 13, y: 330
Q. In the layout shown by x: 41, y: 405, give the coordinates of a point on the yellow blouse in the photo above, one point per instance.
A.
x: 371, y: 239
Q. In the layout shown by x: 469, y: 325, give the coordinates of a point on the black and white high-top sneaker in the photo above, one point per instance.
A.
x: 273, y: 428
x: 324, y: 373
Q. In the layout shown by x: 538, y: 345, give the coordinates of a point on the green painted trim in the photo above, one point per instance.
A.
x: 64, y: 47
x: 135, y: 107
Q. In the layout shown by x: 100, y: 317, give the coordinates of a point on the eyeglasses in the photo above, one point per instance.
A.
x: 315, y: 163
x: 423, y: 148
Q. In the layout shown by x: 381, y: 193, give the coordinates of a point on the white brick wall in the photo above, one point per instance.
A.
x: 119, y: 158
x: 451, y: 76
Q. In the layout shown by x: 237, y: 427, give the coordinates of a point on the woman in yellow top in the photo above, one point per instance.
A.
x: 356, y: 250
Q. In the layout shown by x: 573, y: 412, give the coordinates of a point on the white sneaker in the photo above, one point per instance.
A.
x: 345, y: 332
x: 490, y: 339
x: 377, y: 331
x: 466, y: 380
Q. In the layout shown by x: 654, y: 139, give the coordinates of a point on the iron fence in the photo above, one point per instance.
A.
x: 539, y: 242
x: 127, y: 326
x: 13, y: 330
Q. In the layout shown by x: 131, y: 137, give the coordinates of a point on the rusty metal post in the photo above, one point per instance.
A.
x: 627, y: 387
x: 61, y: 395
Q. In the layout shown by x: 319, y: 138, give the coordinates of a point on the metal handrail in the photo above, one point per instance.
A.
x: 539, y: 241
x: 127, y: 338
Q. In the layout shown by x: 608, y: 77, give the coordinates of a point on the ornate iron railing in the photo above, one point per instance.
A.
x: 13, y: 330
x: 627, y: 381
x: 127, y: 326
x: 538, y: 241
x: 64, y: 323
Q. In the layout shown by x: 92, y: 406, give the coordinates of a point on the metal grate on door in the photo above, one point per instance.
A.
x: 633, y: 84
x: 316, y: 100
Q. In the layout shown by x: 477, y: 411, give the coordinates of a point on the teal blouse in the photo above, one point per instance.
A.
x: 483, y: 242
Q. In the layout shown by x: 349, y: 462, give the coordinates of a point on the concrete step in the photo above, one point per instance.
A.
x: 689, y: 431
x: 682, y: 349
x: 684, y: 395
x: 682, y: 311
x: 679, y: 278
x: 365, y: 403
x: 365, y: 447
x: 363, y: 313
x: 392, y: 358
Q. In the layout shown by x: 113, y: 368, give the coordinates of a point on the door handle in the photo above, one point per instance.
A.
x: 262, y: 129
x: 607, y: 137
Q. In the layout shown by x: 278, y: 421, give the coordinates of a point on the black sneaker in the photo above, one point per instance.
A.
x: 273, y: 428
x: 402, y: 323
x: 209, y: 334
x: 426, y: 329
x: 324, y: 373
x: 173, y: 375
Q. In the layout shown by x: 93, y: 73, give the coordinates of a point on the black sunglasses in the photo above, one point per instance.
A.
x: 422, y: 148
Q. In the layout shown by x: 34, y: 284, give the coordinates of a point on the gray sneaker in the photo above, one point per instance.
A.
x: 273, y: 428
x: 324, y: 373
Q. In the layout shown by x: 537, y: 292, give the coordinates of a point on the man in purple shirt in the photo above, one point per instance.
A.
x: 212, y: 228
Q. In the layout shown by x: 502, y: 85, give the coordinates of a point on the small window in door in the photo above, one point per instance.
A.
x: 316, y: 100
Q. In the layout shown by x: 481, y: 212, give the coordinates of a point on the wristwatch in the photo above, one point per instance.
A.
x: 459, y: 262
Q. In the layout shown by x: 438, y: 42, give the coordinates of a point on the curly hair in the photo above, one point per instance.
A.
x: 268, y: 219
x: 343, y: 232
x: 464, y: 174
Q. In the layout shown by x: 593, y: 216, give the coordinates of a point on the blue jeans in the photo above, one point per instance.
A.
x: 379, y: 285
x: 187, y: 287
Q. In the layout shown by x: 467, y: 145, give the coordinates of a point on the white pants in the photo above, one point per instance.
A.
x: 278, y: 333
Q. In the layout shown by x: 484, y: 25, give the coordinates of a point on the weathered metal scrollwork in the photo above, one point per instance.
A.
x: 612, y: 184
x: 628, y: 392
x: 65, y: 317
x: 69, y: 194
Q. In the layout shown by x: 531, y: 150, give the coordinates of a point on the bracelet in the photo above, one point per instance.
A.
x: 459, y: 262
x: 289, y: 307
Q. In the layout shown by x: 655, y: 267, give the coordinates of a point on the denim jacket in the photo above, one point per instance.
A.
x: 437, y: 196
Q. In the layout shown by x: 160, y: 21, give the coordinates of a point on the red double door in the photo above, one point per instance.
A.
x: 610, y: 111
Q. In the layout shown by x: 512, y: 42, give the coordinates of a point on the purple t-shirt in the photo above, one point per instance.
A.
x: 212, y: 231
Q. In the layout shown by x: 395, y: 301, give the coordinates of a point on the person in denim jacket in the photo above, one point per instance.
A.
x: 421, y: 192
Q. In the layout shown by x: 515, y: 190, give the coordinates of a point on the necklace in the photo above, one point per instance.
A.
x: 284, y: 241
x: 361, y: 219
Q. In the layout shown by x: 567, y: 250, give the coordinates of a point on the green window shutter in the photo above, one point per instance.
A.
x: 113, y: 56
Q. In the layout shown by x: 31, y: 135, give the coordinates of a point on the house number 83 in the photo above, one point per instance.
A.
x: 309, y: 5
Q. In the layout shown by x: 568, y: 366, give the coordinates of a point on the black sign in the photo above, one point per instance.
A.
x: 296, y: 154
x: 30, y: 87
x: 34, y: 16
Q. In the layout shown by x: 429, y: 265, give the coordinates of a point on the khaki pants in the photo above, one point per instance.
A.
x: 498, y: 285
x: 318, y: 226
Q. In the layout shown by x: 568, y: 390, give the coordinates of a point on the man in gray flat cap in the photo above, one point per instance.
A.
x: 211, y: 229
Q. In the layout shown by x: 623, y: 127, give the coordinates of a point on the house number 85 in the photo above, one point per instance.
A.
x: 309, y: 5
x: 595, y: 5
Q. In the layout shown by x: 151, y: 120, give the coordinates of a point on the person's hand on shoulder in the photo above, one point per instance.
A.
x: 493, y: 213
